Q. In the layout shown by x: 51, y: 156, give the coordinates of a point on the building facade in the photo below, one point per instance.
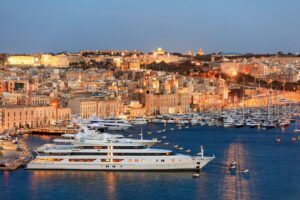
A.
x: 167, y: 103
x: 86, y: 107
x: 32, y: 117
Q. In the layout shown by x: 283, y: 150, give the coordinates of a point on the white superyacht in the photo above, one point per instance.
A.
x: 110, y: 154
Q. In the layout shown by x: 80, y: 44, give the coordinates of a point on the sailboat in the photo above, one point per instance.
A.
x: 268, y: 123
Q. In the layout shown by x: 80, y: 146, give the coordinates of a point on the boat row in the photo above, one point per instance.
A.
x: 251, y: 117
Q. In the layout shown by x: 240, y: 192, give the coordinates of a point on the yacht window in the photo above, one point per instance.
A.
x: 81, y: 160
x: 59, y: 154
x: 88, y: 154
x: 117, y: 160
x: 94, y: 147
x: 129, y: 147
x: 143, y: 154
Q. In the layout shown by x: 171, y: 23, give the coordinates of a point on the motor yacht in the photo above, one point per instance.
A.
x: 139, y: 121
x: 113, y: 124
x: 89, y: 154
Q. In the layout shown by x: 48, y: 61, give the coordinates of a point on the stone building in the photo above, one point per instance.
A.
x: 86, y: 107
x: 32, y: 117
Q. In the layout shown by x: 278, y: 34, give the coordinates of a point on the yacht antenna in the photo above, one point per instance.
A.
x: 202, y: 151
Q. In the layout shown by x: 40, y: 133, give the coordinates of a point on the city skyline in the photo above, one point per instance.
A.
x: 231, y: 26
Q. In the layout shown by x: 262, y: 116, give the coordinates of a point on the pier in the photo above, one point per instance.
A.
x: 14, y: 156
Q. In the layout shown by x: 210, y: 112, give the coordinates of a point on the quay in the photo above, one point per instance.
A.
x: 48, y: 131
x: 13, y: 156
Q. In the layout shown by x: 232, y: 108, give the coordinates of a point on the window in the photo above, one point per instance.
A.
x: 117, y: 160
x: 143, y: 154
x: 81, y: 160
x: 49, y: 159
x: 87, y: 153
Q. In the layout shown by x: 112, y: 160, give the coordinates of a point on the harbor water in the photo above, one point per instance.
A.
x: 274, y: 169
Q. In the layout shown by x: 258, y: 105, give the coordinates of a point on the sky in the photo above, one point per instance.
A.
x: 241, y: 26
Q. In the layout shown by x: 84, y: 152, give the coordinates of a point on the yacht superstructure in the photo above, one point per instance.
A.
x: 67, y: 140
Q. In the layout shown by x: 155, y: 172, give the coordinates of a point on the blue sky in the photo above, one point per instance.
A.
x: 262, y: 26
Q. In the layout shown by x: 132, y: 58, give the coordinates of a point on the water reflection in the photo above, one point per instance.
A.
x: 283, y: 129
x: 235, y: 184
x: 108, y: 184
x: 111, y: 186
x: 6, y: 178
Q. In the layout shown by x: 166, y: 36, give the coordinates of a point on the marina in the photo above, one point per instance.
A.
x: 239, y: 146
x: 243, y: 145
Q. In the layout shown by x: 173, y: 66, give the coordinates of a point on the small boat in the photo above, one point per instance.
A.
x: 158, y: 131
x: 278, y: 140
x: 194, y: 122
x: 233, y: 163
x: 294, y: 139
x: 268, y: 125
x: 164, y: 130
x: 130, y: 135
x: 188, y: 151
x: 186, y: 127
x: 227, y: 125
x: 245, y: 171
x: 15, y: 141
x: 166, y: 143
x: 149, y: 132
x: 196, y: 175
x: 139, y: 121
x: 180, y: 148
x: 164, y: 137
x: 171, y: 129
x: 179, y: 127
x: 176, y: 146
x: 233, y: 167
x: 239, y: 124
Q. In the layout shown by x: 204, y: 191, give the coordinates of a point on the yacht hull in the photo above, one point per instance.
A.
x: 184, y: 165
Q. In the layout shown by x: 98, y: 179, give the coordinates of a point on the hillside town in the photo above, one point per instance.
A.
x: 43, y: 90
